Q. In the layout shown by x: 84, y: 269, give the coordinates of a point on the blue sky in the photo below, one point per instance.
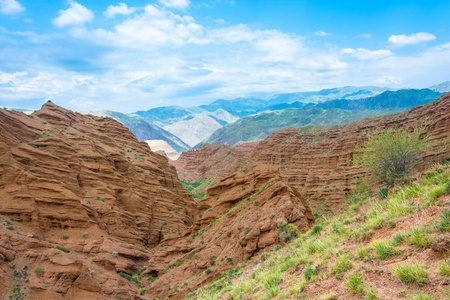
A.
x: 134, y: 55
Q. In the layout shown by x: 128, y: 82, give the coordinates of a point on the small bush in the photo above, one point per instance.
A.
x: 39, y: 271
x: 361, y: 253
x: 444, y: 225
x: 371, y: 294
x: 277, y: 247
x: 341, y: 265
x: 85, y: 235
x: 247, y: 230
x: 310, y: 273
x: 393, y: 155
x: 208, y: 271
x: 142, y: 291
x: 355, y: 283
x: 62, y: 248
x: 272, y: 216
x: 264, y: 256
x: 411, y: 272
x: 444, y: 268
x: 65, y: 236
x: 10, y: 227
x: 287, y: 232
x: 383, y: 193
x: 398, y: 238
x: 316, y: 229
x: 115, y: 253
x: 418, y: 238
x: 130, y: 278
x: 384, y: 250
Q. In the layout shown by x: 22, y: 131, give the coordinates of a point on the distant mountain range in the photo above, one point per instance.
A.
x: 176, y: 129
x: 142, y: 129
x: 334, y: 112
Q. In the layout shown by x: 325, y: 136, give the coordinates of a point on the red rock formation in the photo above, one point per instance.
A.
x: 210, y: 161
x: 317, y: 160
x: 87, y: 184
x: 236, y: 222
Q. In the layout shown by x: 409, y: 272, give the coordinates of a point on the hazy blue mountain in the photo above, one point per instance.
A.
x: 442, y: 87
x: 142, y: 129
x: 400, y: 98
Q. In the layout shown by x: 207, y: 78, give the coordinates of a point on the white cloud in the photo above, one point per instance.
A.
x: 76, y: 14
x: 154, y: 27
x: 322, y: 33
x: 412, y: 39
x: 363, y: 36
x: 387, y: 80
x: 10, y: 7
x: 365, y: 54
x: 180, y: 4
x: 121, y: 9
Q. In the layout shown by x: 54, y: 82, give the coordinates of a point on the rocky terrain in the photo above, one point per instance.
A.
x: 88, y: 212
x: 81, y: 200
x: 316, y: 160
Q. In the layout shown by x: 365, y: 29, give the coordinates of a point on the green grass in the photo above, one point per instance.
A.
x: 421, y: 296
x: 355, y: 283
x: 418, y: 237
x: 384, y: 249
x: 444, y: 268
x: 411, y: 272
x: 326, y: 253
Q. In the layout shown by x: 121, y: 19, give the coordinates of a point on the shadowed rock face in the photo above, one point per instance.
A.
x: 317, y: 162
x: 236, y: 222
x: 86, y: 183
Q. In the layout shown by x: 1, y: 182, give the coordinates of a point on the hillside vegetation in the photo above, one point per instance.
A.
x: 258, y: 127
x: 381, y: 248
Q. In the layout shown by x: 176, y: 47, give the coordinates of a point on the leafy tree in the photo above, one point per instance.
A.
x: 393, y: 155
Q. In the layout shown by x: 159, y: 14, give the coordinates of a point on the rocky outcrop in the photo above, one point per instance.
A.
x: 86, y: 184
x: 235, y: 223
x: 211, y: 161
x: 316, y: 160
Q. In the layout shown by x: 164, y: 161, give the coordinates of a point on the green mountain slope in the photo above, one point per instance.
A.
x: 400, y: 98
x: 257, y: 127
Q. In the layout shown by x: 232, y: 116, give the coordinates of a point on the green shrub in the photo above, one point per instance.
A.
x: 411, y: 272
x: 130, y: 278
x: 418, y: 238
x: 362, y: 252
x: 316, y: 229
x: 285, y: 231
x: 384, y: 250
x: 444, y: 268
x: 371, y: 294
x: 142, y: 291
x: 85, y: 235
x: 62, y: 248
x: 341, y: 265
x: 444, y: 225
x: 39, y: 271
x: 383, y: 193
x: 10, y: 227
x: 208, y: 271
x: 277, y: 247
x: 247, y: 230
x: 115, y: 253
x: 393, y: 155
x: 398, y: 238
x: 355, y: 283
x: 264, y: 256
x: 309, y: 273
x: 65, y: 236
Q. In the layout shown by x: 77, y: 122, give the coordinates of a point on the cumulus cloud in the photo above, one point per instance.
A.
x: 179, y: 4
x: 120, y: 9
x: 322, y: 33
x: 154, y: 27
x: 10, y: 7
x: 412, y: 39
x: 76, y: 14
x: 365, y: 54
